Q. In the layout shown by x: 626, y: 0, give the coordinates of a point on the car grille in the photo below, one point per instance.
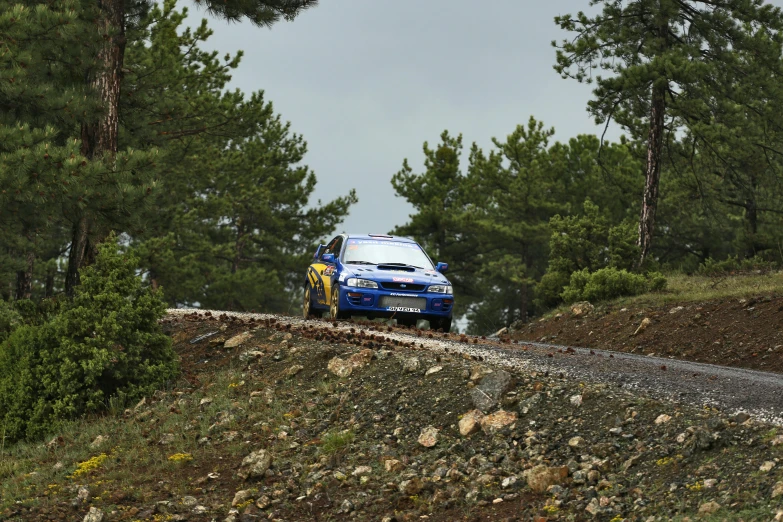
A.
x: 407, y: 302
x: 408, y: 287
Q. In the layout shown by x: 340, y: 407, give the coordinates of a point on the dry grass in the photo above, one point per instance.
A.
x: 683, y: 289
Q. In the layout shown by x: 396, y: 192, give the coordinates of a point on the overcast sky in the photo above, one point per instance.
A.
x: 366, y: 82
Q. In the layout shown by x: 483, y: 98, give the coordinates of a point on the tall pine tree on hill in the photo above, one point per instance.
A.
x: 655, y: 54
x: 100, y: 135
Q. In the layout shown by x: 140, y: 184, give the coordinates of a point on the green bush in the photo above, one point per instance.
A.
x: 584, y: 243
x: 105, y: 342
x: 610, y: 283
x: 10, y: 319
x: 732, y: 265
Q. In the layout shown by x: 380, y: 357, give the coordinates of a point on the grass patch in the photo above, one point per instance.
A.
x: 335, y: 442
x: 683, y: 288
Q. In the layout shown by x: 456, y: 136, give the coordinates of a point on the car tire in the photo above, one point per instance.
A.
x: 407, y: 321
x: 441, y: 323
x: 334, y: 306
x: 307, y: 305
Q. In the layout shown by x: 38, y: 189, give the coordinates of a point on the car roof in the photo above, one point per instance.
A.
x: 381, y: 237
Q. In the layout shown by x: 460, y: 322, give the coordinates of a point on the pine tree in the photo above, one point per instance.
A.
x: 657, y: 54
x: 100, y: 136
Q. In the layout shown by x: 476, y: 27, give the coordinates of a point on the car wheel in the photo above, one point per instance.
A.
x: 334, y: 306
x: 441, y: 323
x: 407, y: 321
x: 307, y: 305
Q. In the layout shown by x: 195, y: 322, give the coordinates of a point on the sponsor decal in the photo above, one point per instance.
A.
x: 402, y: 279
x: 329, y: 270
x: 384, y: 243
x: 405, y: 295
x: 403, y: 309
x: 342, y: 277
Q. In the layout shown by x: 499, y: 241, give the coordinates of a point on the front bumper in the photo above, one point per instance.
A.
x: 383, y: 303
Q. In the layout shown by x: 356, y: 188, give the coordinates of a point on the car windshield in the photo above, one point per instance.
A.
x: 375, y: 252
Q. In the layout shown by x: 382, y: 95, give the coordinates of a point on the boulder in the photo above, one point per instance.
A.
x: 237, y: 340
x: 255, y: 465
x: 493, y: 386
x: 470, y: 422
x: 581, y: 309
x: 500, y: 419
x: 542, y: 476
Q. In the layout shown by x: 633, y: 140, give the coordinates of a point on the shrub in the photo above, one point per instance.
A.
x: 10, y: 319
x: 106, y: 342
x: 733, y: 265
x: 610, y: 283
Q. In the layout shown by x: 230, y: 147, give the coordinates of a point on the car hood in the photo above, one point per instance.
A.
x: 394, y: 274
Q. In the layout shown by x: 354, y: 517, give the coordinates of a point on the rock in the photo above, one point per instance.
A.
x: 492, y: 423
x: 777, y: 489
x: 362, y: 358
x: 346, y: 507
x: 508, y: 481
x: 99, y: 441
x: 576, y: 442
x: 293, y: 370
x: 740, y: 417
x: 540, y: 477
x: 477, y: 372
x: 410, y: 364
x: 492, y: 387
x: 676, y: 309
x: 581, y: 309
x: 255, y: 465
x: 206, y: 401
x: 576, y: 400
x: 500, y: 332
x: 263, y: 502
x: 82, y: 496
x: 237, y: 340
x: 709, y: 508
x: 393, y: 465
x: 646, y: 322
x: 239, y: 497
x: 428, y: 436
x: 710, y: 483
x: 434, y: 369
x: 361, y: 471
x: 340, y: 367
x: 777, y: 440
x: 616, y: 431
x: 94, y: 515
x: 411, y: 487
x: 470, y: 422
x: 663, y: 419
x: 631, y: 462
x: 767, y: 466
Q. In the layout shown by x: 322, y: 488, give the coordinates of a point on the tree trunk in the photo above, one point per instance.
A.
x: 79, y: 246
x: 652, y: 174
x: 24, y: 278
x: 523, y: 302
x: 100, y: 137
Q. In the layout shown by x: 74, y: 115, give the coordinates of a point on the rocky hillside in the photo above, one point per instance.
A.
x: 280, y: 419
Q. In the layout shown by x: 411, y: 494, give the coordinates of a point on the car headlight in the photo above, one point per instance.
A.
x: 441, y: 289
x: 361, y: 283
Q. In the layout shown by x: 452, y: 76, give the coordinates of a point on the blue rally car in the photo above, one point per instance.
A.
x: 378, y: 276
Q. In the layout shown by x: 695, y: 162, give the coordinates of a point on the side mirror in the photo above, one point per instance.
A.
x: 318, y: 252
x: 442, y: 267
x: 327, y: 258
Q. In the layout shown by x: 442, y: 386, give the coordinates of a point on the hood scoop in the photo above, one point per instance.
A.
x: 396, y: 268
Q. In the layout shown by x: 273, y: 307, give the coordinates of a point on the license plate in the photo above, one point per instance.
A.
x: 403, y: 309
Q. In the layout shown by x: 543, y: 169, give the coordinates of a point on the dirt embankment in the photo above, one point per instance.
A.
x: 745, y: 333
x: 281, y: 419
